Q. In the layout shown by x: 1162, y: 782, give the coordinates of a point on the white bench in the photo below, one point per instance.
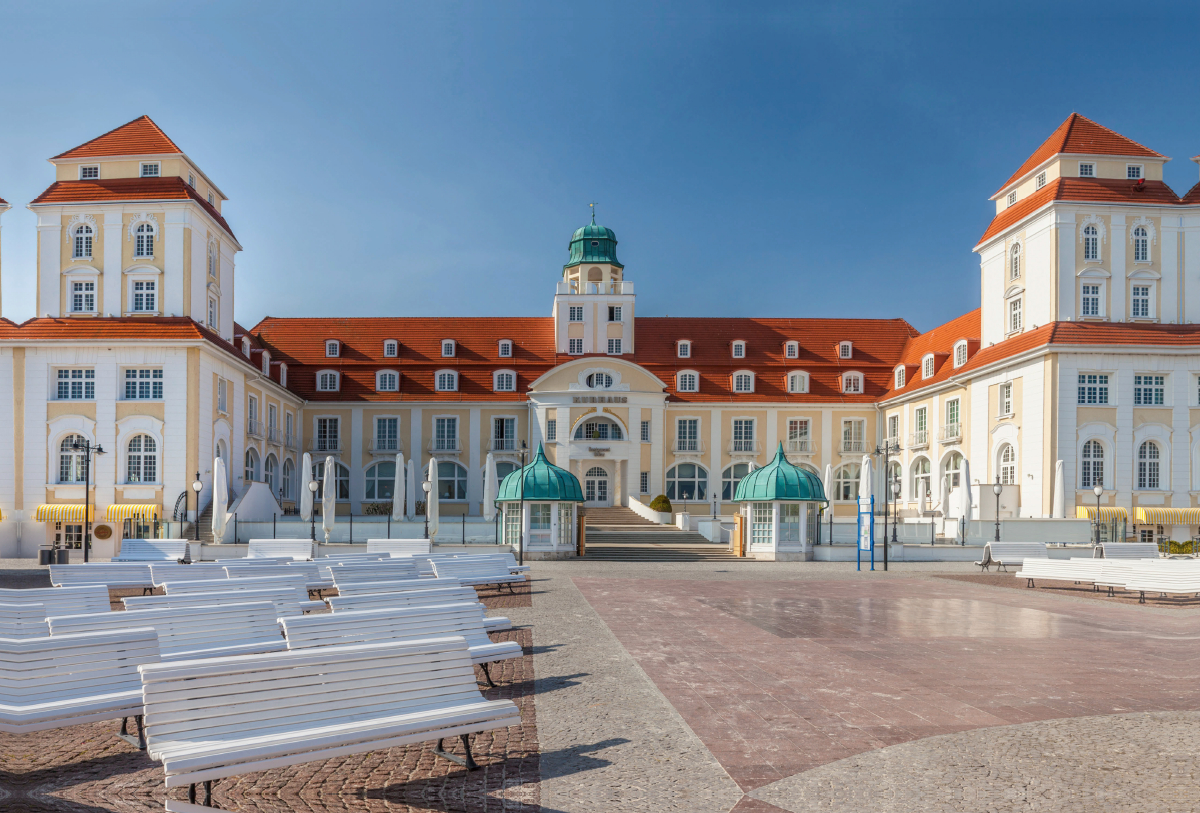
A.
x: 23, y: 621
x: 223, y: 717
x: 54, y: 682
x: 258, y: 560
x: 388, y: 570
x: 301, y: 549
x: 1150, y: 576
x: 111, y: 575
x: 398, y: 586
x: 300, y: 570
x: 61, y: 600
x: 152, y: 550
x: 401, y: 624
x: 327, y: 563
x: 161, y: 574
x: 204, y: 587
x: 1127, y: 550
x: 399, y: 547
x: 283, y: 598
x: 1078, y: 570
x: 492, y: 571
x: 1003, y: 554
x: 419, y: 598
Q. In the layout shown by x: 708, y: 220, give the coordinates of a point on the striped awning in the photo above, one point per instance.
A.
x: 1107, y: 513
x: 1168, y: 516
x: 124, y: 511
x: 64, y: 512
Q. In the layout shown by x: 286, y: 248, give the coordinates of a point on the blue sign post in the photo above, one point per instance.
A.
x: 866, y: 531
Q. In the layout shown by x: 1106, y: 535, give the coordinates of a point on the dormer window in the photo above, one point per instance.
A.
x: 791, y: 350
x: 797, y: 382
x: 245, y: 347
x: 333, y: 348
x: 504, y: 381
x: 283, y: 375
x: 687, y: 381
x: 150, y: 169
x: 960, y: 354
x: 852, y: 384
x: 900, y: 373
x: 446, y: 381
x: 846, y: 350
x: 1087, y: 170
x: 391, y: 348
x: 327, y: 381
x: 1133, y: 172
x: 211, y: 200
x: 1012, y: 198
x: 927, y: 366
x: 387, y: 381
x: 1040, y: 181
x: 683, y: 350
x: 191, y: 180
x: 266, y: 364
x: 89, y: 172
x: 448, y: 348
x: 739, y: 350
x: 505, y: 350
x: 743, y: 381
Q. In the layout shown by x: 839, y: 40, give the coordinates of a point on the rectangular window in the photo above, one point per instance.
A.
x: 565, y: 525
x: 1090, y: 300
x: 191, y: 180
x: 852, y: 435
x: 1093, y: 388
x: 212, y: 313
x: 145, y: 298
x: 252, y: 411
x: 389, y: 382
x: 505, y: 350
x: 1087, y: 170
x: 644, y: 483
x: 551, y: 430
x: 1012, y: 198
x: 1141, y: 301
x: 921, y: 419
x: 222, y: 395
x: 327, y: 435
x: 614, y: 313
x: 332, y: 348
x: 387, y: 434
x: 685, y: 350
x: 789, y: 522
x: 272, y: 416
x: 1006, y: 405
x: 1133, y: 171
x: 952, y: 413
x: 797, y: 435
x: 445, y: 434
x: 1149, y: 390
x: 575, y: 313
x: 390, y: 349
x: 83, y: 297
x: 791, y: 350
x: 512, y: 523
x: 739, y: 350
x: 1014, y: 316
x: 893, y: 430
x: 150, y: 169
x: 447, y: 349
x: 645, y: 436
x: 614, y: 347
x: 575, y: 347
x: 687, y: 435
x: 960, y: 355
x: 743, y: 435
x: 1041, y: 180
x: 504, y: 434
x: 89, y: 173
x: 76, y: 385
x: 845, y: 350
x: 142, y: 385
x: 287, y: 424
x: 760, y: 524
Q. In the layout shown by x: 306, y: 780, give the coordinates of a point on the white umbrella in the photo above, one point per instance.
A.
x: 1058, y: 507
x: 922, y: 496
x: 828, y: 481
x: 220, y: 501
x: 306, y: 496
x: 411, y: 484
x: 864, y: 480
x: 945, y: 496
x: 491, y: 488
x: 431, y: 502
x: 968, y: 509
x: 398, y: 489
x: 328, y: 498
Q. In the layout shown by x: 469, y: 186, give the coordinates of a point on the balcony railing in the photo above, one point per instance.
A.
x: 274, y: 435
x: 292, y: 441
x: 450, y: 445
x: 327, y: 445
x: 743, y: 447
x: 685, y: 446
x: 854, y: 446
x: 950, y: 433
x: 892, y: 445
x: 254, y: 428
x: 503, y: 445
x: 918, y: 439
x: 384, y: 445
x: 802, y: 446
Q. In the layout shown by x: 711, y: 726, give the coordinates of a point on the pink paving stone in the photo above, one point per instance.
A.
x: 777, y: 677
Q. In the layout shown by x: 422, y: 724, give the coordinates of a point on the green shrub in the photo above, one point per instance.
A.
x: 376, y: 509
x: 1173, y: 548
x: 661, y: 504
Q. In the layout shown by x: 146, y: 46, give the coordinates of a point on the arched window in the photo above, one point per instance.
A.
x: 452, y: 481
x: 1141, y: 245
x: 1148, y: 471
x: 688, y: 381
x: 927, y: 366
x: 1008, y: 465
x: 504, y: 381
x: 954, y: 469
x: 251, y: 465
x: 730, y: 478
x: 327, y: 381
x: 1091, y: 243
x: 743, y: 381
x: 381, y: 481
x: 797, y: 382
x: 289, y: 472
x: 71, y: 462
x: 921, y: 478
x: 387, y: 381
x: 143, y: 245
x: 141, y: 460
x: 270, y: 469
x: 845, y: 483
x: 899, y: 378
x: 599, y: 381
x: 341, y: 479
x: 852, y: 383
x: 1015, y: 262
x: 599, y: 429
x: 894, y: 477
x: 83, y: 242
x: 960, y: 354
x: 687, y: 481
x: 447, y: 381
x: 212, y: 259
x: 1092, y: 471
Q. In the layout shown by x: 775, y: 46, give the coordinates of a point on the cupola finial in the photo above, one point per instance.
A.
x: 593, y: 205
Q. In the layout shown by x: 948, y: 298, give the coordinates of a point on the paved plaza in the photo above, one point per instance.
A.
x: 755, y: 687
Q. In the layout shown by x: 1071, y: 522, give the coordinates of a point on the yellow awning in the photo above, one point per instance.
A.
x: 1168, y: 516
x: 64, y: 512
x: 124, y: 511
x: 1107, y: 513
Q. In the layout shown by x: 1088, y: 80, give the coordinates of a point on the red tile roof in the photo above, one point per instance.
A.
x: 940, y: 341
x: 3, y: 202
x: 139, y: 137
x: 122, y: 189
x: 1192, y: 197
x: 1097, y: 190
x: 1079, y: 134
x: 116, y: 328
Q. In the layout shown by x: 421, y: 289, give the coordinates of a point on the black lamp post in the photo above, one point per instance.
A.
x: 427, y: 487
x: 312, y: 511
x: 521, y: 514
x: 88, y: 450
x: 197, y: 487
x: 895, y: 509
x: 1099, y: 492
x: 997, y: 489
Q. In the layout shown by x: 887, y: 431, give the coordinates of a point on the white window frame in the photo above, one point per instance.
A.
x: 320, y: 380
x: 1085, y: 237
x: 1151, y: 298
x: 802, y: 380
x: 791, y: 350
x: 1014, y: 262
x: 1091, y: 387
x: 1135, y: 172
x: 683, y: 349
x: 156, y: 172
x: 83, y: 176
x: 192, y: 180
x: 89, y: 236
x: 928, y: 367
x: 222, y: 395
x: 858, y: 386
x: 1146, y: 393
x: 733, y: 381
x: 960, y: 354
x: 449, y: 348
x: 1087, y: 169
x: 496, y: 380
x: 131, y: 281
x: 644, y: 432
x: 644, y: 482
x: 1134, y: 239
x: 737, y: 350
x: 616, y: 313
x: 151, y: 380
x: 214, y: 313
x: 614, y: 347
x: 283, y: 374
x: 845, y: 350
x: 1014, y: 307
x: 87, y: 375
x: 379, y: 382
x: 438, y: 381
x: 391, y: 348
x: 574, y: 347
x: 72, y: 280
x: 552, y: 430
x: 899, y: 376
x: 1040, y: 181
x: 266, y: 364
x: 1012, y: 197
x: 447, y: 445
x: 1004, y: 400
x: 246, y: 347
x: 333, y: 348
x: 679, y: 382
x: 1100, y: 298
x: 574, y: 311
x: 504, y: 349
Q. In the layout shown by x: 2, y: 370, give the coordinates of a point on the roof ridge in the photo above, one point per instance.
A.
x: 140, y: 119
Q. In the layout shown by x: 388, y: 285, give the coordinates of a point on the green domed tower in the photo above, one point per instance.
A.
x: 593, y: 310
x: 593, y: 244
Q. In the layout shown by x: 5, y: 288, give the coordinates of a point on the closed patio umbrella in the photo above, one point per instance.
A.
x: 220, y: 501
x: 945, y: 496
x: 864, y: 480
x: 1058, y: 507
x: 431, y: 504
x: 491, y: 488
x: 922, y: 496
x: 398, y: 489
x: 328, y: 497
x: 306, y: 496
x: 968, y: 508
x: 828, y: 481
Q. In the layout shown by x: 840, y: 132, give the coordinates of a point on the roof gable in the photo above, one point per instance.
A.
x: 138, y: 137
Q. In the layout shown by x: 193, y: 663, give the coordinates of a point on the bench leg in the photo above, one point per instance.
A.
x: 1142, y: 598
x: 147, y: 591
x: 467, y: 763
x: 207, y: 794
x: 487, y: 674
x: 1030, y: 584
x: 138, y: 742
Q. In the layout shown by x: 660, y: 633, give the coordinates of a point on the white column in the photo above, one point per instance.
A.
x: 172, y: 248
x: 112, y: 276
x: 474, y: 472
x: 716, y: 421
x: 658, y: 440
x: 49, y: 264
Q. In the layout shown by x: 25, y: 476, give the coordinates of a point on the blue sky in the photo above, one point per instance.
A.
x: 433, y: 158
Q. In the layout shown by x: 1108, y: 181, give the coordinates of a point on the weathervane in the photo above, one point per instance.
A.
x: 593, y: 205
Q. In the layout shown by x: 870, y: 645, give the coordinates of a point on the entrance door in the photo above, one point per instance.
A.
x: 595, y: 488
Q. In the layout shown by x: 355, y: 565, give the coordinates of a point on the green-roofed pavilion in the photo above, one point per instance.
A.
x: 779, y: 506
x: 540, y: 509
x: 780, y: 480
x: 542, y: 480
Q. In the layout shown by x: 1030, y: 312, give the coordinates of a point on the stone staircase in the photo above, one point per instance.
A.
x: 619, y: 534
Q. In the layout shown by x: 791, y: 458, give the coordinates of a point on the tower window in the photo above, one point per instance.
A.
x: 614, y: 313
x: 143, y: 245
x: 1041, y: 180
x: 89, y: 173
x: 1087, y: 170
x: 150, y: 169
x: 1012, y: 198
x: 144, y: 299
x: 83, y: 242
x: 1133, y: 172
x: 191, y: 180
x: 576, y: 313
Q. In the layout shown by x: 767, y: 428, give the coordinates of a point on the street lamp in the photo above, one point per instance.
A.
x: 1099, y: 492
x: 88, y: 449
x: 997, y: 489
x: 426, y: 486
x: 197, y: 487
x: 312, y: 511
x: 895, y: 503
x: 521, y: 514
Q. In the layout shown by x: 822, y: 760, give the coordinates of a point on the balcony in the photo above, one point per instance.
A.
x: 853, y: 446
x: 687, y: 446
x: 291, y: 441
x: 444, y: 446
x: 385, y: 445
x: 255, y: 429
x: 503, y: 445
x: 918, y: 440
x: 274, y: 435
x: 326, y: 445
x: 950, y: 433
x: 744, y: 447
x: 799, y: 446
